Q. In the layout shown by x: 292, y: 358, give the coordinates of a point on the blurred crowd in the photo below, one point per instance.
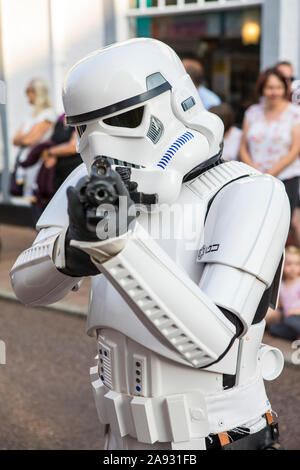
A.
x: 269, y: 141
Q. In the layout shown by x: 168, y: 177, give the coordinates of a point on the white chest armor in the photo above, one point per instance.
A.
x: 144, y: 384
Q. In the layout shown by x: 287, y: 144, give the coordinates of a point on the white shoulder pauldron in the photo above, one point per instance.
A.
x: 208, y: 184
x: 247, y: 225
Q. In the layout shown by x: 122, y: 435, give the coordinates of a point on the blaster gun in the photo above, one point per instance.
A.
x: 104, y: 186
x: 100, y: 188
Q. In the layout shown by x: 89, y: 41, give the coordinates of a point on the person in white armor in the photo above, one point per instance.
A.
x: 179, y: 318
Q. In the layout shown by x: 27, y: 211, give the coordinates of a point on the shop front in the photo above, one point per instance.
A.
x: 227, y: 41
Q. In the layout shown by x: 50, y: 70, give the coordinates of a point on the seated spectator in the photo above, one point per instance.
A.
x: 287, y: 70
x: 232, y: 134
x: 58, y: 159
x: 288, y: 314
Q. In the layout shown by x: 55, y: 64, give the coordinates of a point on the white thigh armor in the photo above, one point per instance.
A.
x: 171, y: 369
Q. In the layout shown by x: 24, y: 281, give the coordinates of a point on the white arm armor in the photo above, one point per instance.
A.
x: 35, y: 278
x: 165, y: 299
x: 242, y: 252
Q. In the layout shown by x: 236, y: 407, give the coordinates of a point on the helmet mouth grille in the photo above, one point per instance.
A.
x: 155, y: 130
x: 121, y: 163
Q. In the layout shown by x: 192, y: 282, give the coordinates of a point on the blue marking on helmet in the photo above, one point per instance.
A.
x: 169, y: 154
x: 173, y: 149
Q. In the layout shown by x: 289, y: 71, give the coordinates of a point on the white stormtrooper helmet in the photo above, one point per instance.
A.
x: 133, y: 102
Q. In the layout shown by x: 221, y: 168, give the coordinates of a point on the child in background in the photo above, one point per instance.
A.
x: 289, y: 326
x: 232, y: 134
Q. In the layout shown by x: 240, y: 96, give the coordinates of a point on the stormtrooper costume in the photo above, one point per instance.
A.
x: 179, y: 319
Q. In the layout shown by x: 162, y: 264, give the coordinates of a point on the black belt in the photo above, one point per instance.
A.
x: 241, y: 439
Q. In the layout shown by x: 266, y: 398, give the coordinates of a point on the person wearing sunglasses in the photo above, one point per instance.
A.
x: 287, y: 70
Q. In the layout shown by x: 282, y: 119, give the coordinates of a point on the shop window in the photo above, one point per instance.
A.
x: 136, y: 3
x: 133, y: 4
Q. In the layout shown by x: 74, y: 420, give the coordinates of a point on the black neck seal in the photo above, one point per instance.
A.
x: 204, y: 166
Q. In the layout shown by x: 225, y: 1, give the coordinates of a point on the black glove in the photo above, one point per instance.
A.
x: 77, y: 262
x: 105, y: 186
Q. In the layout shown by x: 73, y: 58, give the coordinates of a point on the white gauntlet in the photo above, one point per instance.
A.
x: 34, y: 276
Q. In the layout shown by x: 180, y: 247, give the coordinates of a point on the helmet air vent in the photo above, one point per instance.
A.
x: 188, y: 103
x: 155, y: 130
x: 155, y: 80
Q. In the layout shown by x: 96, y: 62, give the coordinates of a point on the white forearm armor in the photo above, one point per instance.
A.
x: 34, y: 276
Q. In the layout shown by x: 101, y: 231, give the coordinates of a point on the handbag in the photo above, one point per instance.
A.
x: 15, y: 188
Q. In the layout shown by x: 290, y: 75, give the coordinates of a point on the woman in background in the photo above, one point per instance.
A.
x: 271, y: 133
x: 36, y: 128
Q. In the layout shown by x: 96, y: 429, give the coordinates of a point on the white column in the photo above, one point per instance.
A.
x: 58, y: 56
x: 26, y: 52
x: 281, y: 32
x: 289, y: 32
x: 122, y: 21
x: 4, y: 142
x: 75, y: 32
x: 109, y: 19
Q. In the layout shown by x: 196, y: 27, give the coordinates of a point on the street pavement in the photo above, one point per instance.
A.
x: 45, y: 393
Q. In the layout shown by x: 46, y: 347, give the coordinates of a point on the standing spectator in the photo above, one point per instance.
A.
x: 271, y: 133
x: 287, y: 70
x: 289, y: 326
x: 194, y: 68
x: 232, y: 134
x: 36, y: 128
